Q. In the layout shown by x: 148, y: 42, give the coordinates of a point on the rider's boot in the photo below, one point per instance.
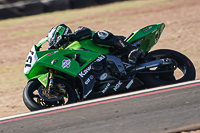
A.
x: 134, y: 55
x: 134, y: 52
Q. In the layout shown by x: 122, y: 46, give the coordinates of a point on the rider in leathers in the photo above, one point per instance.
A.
x: 61, y: 35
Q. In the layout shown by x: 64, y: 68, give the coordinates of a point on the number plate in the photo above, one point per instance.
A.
x: 30, y: 61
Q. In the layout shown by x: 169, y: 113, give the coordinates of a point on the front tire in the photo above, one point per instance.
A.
x: 33, y: 101
x: 183, y: 64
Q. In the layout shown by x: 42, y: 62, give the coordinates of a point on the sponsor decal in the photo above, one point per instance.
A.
x: 129, y: 84
x: 100, y: 58
x: 148, y: 28
x: 89, y: 79
x: 84, y: 72
x: 66, y: 63
x: 107, y: 86
x: 117, y: 85
x: 44, y: 79
x: 103, y: 76
x: 30, y: 61
x: 91, y: 76
x: 123, y: 45
x: 52, y: 53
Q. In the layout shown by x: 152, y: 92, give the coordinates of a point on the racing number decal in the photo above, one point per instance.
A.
x: 29, y: 60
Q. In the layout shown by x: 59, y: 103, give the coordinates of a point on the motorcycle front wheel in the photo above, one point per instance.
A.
x: 33, y: 100
x: 184, y: 69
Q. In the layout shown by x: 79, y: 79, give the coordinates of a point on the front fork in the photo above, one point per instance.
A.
x: 51, y: 80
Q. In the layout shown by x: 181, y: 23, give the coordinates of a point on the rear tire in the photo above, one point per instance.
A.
x: 183, y: 64
x: 33, y: 101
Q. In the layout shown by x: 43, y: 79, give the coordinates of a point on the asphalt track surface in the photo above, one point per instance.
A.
x: 167, y: 109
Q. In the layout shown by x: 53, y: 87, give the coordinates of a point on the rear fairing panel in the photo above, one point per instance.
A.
x: 149, y: 35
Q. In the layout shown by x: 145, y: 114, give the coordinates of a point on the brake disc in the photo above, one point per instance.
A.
x: 50, y: 97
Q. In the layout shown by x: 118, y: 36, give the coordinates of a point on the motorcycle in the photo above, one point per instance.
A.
x: 84, y: 69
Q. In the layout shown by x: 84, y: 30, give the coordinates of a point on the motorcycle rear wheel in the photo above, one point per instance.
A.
x: 33, y: 101
x: 184, y: 66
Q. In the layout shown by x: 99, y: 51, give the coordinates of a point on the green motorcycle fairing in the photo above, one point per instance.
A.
x: 44, y: 79
x: 61, y: 60
x: 89, y: 45
x: 149, y: 35
x: 57, y: 59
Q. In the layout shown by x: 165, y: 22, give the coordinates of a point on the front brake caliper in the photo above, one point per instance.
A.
x: 51, y: 78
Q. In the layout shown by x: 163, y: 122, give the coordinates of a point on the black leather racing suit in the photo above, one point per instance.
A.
x: 105, y: 38
x: 82, y: 33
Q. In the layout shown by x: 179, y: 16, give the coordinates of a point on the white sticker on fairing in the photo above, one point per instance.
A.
x: 117, y: 86
x: 105, y: 89
x: 100, y: 58
x: 30, y: 61
x: 103, y: 76
x: 129, y: 84
x: 66, y: 63
x: 89, y: 79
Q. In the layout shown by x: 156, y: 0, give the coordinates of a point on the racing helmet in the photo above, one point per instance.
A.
x: 56, y: 32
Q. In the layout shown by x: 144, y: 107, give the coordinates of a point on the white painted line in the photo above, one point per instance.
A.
x: 99, y: 100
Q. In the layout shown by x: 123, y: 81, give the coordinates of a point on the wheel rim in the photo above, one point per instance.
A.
x: 36, y: 97
x: 175, y: 75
